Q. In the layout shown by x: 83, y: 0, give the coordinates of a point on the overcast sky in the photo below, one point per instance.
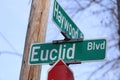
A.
x: 14, y: 16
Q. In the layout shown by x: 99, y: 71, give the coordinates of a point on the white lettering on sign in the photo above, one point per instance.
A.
x: 62, y: 53
x: 95, y: 46
x: 64, y: 23
x: 44, y: 55
x: 70, y: 52
x: 51, y: 52
x: 34, y: 53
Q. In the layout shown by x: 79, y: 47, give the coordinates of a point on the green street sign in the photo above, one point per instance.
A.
x: 81, y: 50
x: 64, y: 22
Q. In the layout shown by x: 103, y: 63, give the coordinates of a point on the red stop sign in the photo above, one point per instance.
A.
x: 60, y: 71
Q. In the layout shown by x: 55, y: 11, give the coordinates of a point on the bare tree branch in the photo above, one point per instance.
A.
x: 112, y: 63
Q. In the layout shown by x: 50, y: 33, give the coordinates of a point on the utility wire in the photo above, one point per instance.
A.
x: 7, y: 41
x: 9, y: 52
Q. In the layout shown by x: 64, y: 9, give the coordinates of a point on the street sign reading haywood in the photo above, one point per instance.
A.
x: 82, y: 50
x: 64, y: 22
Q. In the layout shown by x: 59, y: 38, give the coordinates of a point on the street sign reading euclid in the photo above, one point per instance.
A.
x: 64, y: 22
x: 82, y: 50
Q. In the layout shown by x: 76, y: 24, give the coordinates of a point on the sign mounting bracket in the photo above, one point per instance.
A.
x: 68, y: 62
x: 65, y: 36
x: 66, y: 39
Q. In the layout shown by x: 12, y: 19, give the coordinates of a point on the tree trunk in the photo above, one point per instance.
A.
x: 118, y: 4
